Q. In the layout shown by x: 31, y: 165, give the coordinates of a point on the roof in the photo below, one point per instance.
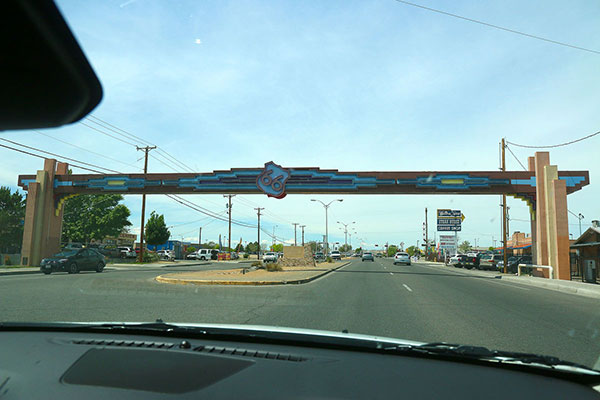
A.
x: 587, y: 232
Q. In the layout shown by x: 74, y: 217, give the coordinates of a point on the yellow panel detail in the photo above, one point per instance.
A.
x: 453, y: 181
x: 115, y: 183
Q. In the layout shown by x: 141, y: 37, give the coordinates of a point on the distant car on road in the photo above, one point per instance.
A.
x: 73, y: 261
x: 336, y: 255
x: 168, y: 255
x: 319, y: 256
x: 367, y: 256
x: 402, y: 258
x: 270, y: 256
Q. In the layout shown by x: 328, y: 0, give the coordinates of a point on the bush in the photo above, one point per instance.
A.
x: 150, y: 257
x: 245, y: 255
x: 329, y: 259
x: 258, y: 264
x: 271, y: 267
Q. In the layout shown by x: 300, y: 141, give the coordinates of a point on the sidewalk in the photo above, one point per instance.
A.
x: 290, y: 275
x: 572, y: 287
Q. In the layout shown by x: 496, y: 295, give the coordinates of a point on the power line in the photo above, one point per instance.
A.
x: 131, y: 136
x: 108, y: 134
x: 58, y: 155
x: 205, y: 211
x: 45, y: 158
x: 499, y: 27
x: 84, y: 149
x: 513, y: 154
x: 555, y: 145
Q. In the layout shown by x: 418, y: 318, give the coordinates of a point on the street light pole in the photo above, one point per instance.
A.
x: 326, y: 206
x: 295, y: 226
x: 258, y: 209
x: 346, y: 231
x: 302, y: 227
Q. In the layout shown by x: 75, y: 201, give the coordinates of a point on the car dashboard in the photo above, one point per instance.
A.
x: 104, y: 365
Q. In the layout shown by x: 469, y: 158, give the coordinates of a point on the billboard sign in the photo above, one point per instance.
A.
x: 449, y: 220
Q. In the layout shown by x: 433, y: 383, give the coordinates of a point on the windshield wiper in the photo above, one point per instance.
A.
x: 484, y: 354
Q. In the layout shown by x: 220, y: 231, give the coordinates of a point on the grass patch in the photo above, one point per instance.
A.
x: 258, y: 264
x: 272, y: 267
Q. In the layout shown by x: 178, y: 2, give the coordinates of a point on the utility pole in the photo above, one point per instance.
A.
x: 295, y: 226
x: 200, y: 238
x: 504, y: 227
x: 258, y: 209
x: 346, y: 231
x: 304, y: 226
x: 229, y: 196
x: 146, y: 150
x: 426, y: 235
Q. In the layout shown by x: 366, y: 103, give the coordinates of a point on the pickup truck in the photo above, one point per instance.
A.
x: 336, y: 255
x: 269, y: 256
x: 127, y: 252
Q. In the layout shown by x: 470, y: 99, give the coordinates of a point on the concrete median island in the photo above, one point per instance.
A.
x: 250, y: 276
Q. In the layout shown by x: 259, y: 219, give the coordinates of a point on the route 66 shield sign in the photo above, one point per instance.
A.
x: 272, y: 180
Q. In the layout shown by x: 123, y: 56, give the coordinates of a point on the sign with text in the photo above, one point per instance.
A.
x: 449, y: 220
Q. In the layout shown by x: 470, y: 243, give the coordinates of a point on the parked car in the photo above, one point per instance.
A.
x: 108, y: 250
x: 319, y: 256
x: 235, y: 256
x: 470, y: 261
x: 270, y: 256
x: 73, y: 261
x: 336, y: 255
x: 126, y: 252
x: 206, y: 254
x: 367, y: 256
x: 489, y: 261
x: 401, y: 258
x: 513, y: 263
x: 73, y: 246
x: 457, y: 260
x: 192, y: 256
x: 168, y: 255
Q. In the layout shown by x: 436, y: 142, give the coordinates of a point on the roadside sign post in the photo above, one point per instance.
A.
x: 449, y: 221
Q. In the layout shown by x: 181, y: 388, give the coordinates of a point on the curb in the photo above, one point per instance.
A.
x: 569, y: 287
x: 176, y: 281
x: 19, y: 272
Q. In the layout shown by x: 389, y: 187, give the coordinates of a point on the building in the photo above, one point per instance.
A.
x: 519, y: 243
x: 124, y: 239
x: 587, y: 250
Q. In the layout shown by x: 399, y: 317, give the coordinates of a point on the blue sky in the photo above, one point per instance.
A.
x: 351, y: 85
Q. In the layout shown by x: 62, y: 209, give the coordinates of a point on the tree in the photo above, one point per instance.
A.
x: 412, y: 250
x: 391, y: 250
x: 252, y: 247
x: 190, y: 249
x: 345, y: 248
x: 464, y: 247
x: 358, y: 250
x: 156, y: 232
x: 277, y: 247
x: 94, y: 216
x: 12, y: 214
x: 491, y: 248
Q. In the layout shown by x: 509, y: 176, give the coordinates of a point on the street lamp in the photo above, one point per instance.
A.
x: 326, y: 206
x: 274, y: 226
x: 346, y: 230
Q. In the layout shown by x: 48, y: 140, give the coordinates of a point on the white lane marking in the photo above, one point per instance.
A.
x: 391, y: 273
x: 407, y: 288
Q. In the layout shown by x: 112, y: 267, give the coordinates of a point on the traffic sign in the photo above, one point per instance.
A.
x: 449, y: 213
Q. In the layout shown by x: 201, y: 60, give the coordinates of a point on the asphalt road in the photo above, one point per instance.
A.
x: 422, y: 302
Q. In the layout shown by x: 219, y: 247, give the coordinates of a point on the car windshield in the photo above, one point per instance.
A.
x: 231, y: 131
